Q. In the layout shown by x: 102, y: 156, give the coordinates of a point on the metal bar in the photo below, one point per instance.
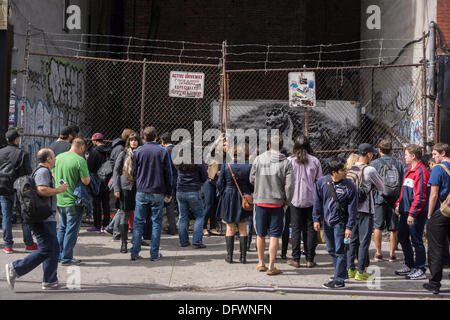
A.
x: 25, y: 80
x: 424, y: 84
x: 306, y: 122
x: 53, y: 137
x: 437, y: 123
x: 329, y: 68
x: 121, y: 60
x: 221, y: 103
x: 347, y: 150
x: 227, y: 102
x: 143, y: 96
x: 222, y: 87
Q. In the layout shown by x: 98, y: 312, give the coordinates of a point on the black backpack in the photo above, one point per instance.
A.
x: 392, y: 180
x: 105, y: 171
x: 7, y: 177
x: 34, y: 208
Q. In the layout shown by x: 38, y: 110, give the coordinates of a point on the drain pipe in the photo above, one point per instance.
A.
x: 432, y: 93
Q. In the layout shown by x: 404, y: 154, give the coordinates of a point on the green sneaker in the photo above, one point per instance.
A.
x: 363, y: 276
x: 351, y: 273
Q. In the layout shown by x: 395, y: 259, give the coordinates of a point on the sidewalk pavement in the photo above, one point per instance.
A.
x: 185, y: 269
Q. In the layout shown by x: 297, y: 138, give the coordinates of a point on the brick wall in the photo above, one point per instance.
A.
x: 443, y: 21
x: 251, y: 21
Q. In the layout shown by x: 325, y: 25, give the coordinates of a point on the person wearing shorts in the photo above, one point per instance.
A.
x: 272, y: 177
x: 385, y: 217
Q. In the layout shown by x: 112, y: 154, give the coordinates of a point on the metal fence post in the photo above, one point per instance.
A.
x: 424, y: 84
x: 223, y: 93
x: 25, y: 81
x: 143, y: 95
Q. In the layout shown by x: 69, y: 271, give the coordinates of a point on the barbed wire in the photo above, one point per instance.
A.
x: 122, y: 53
x: 309, y: 60
x: 81, y: 43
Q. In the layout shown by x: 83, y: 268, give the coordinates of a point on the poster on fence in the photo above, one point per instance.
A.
x: 186, y: 84
x: 302, y: 89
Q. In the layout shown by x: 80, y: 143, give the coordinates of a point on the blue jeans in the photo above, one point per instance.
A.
x: 7, y: 203
x: 412, y: 236
x: 334, y: 238
x: 69, y: 227
x: 47, y: 254
x: 191, y: 200
x: 209, y: 190
x: 147, y: 204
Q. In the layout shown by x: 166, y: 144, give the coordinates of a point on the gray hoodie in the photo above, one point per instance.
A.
x: 272, y: 176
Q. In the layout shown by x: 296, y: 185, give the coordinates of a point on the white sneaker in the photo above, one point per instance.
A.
x: 403, y: 271
x: 419, y: 274
x: 10, y: 276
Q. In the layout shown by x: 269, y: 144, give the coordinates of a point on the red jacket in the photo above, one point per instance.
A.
x: 414, y: 195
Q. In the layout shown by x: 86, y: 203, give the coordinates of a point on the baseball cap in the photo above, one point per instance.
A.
x: 97, y: 136
x: 366, y: 147
x: 11, y: 135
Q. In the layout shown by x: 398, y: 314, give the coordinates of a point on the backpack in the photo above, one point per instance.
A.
x: 105, y: 171
x: 355, y: 174
x: 445, y: 205
x: 7, y: 177
x: 34, y: 209
x: 10, y: 160
x: 391, y: 179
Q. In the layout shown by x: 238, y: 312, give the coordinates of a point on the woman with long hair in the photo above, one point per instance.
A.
x: 230, y: 208
x: 307, y: 170
x: 124, y: 185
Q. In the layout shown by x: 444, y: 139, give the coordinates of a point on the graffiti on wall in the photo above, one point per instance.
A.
x: 398, y: 113
x: 55, y: 96
x: 65, y: 84
x: 42, y: 119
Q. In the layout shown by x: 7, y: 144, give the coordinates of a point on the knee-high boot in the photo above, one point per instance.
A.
x: 249, y: 242
x: 230, y: 248
x: 243, y: 245
x: 124, y: 237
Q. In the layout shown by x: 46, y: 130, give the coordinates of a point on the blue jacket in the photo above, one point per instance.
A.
x: 325, y: 206
x: 192, y: 180
x: 81, y: 192
x: 94, y: 184
x: 152, y: 169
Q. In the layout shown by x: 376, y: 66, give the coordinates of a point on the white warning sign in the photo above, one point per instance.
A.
x: 186, y: 84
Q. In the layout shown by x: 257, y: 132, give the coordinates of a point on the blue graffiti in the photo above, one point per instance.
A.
x: 39, y: 119
x: 410, y: 130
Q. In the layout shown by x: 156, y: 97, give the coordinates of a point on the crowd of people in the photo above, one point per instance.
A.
x: 276, y: 194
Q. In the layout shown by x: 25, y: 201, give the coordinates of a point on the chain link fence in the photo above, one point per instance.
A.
x: 353, y: 104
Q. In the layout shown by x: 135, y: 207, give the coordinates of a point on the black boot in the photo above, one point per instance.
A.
x: 124, y: 237
x: 249, y: 242
x: 243, y: 244
x: 230, y: 247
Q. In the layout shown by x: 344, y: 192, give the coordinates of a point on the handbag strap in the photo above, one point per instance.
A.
x: 237, y: 185
x: 333, y: 193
